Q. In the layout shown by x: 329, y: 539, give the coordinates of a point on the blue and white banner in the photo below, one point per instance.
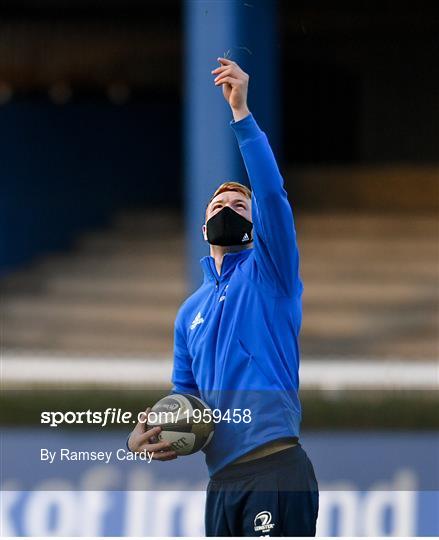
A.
x: 372, y: 484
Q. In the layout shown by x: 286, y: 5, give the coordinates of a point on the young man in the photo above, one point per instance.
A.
x: 236, y: 346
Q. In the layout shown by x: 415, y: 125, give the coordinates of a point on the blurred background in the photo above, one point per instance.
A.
x: 113, y: 138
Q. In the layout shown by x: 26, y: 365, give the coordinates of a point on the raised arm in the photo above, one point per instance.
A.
x: 274, y: 235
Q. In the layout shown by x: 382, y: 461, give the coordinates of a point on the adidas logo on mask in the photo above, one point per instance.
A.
x: 245, y: 238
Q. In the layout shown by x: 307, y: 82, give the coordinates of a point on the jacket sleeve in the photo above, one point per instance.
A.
x: 274, y: 235
x: 183, y: 381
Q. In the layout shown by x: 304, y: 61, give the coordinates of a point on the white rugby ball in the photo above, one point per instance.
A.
x: 184, y: 422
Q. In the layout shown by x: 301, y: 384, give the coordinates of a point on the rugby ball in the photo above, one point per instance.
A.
x: 186, y: 422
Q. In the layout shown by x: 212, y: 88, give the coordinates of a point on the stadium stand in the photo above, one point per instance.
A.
x: 370, y: 289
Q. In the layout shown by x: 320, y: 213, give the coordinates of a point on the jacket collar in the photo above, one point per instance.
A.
x: 230, y: 261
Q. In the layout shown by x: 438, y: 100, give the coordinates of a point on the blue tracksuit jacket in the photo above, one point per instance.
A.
x: 236, y: 337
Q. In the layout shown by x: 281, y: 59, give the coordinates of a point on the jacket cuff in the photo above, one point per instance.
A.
x: 246, y: 129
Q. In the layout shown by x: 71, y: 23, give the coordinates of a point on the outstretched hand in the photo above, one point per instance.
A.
x: 235, y: 86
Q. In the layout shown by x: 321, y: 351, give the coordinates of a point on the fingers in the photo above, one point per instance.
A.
x: 157, y: 447
x: 229, y: 80
x: 221, y: 69
x: 147, y: 435
x: 233, y: 69
x: 146, y: 439
x: 227, y: 71
x: 141, y: 426
x: 161, y: 451
x: 164, y: 456
x: 225, y: 61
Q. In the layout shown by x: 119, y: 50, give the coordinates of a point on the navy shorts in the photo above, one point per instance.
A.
x: 276, y: 495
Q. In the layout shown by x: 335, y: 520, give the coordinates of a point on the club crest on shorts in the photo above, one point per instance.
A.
x: 262, y: 522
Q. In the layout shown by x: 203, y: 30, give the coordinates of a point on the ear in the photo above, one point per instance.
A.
x: 204, y: 230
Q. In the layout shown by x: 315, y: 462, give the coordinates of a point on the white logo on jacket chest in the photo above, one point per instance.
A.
x: 223, y: 297
x: 198, y: 320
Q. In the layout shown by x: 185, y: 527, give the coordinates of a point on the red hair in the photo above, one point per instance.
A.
x: 231, y: 186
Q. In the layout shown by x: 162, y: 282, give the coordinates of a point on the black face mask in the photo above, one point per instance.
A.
x: 228, y: 228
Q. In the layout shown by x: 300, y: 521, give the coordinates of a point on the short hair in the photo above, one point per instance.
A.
x: 231, y: 186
